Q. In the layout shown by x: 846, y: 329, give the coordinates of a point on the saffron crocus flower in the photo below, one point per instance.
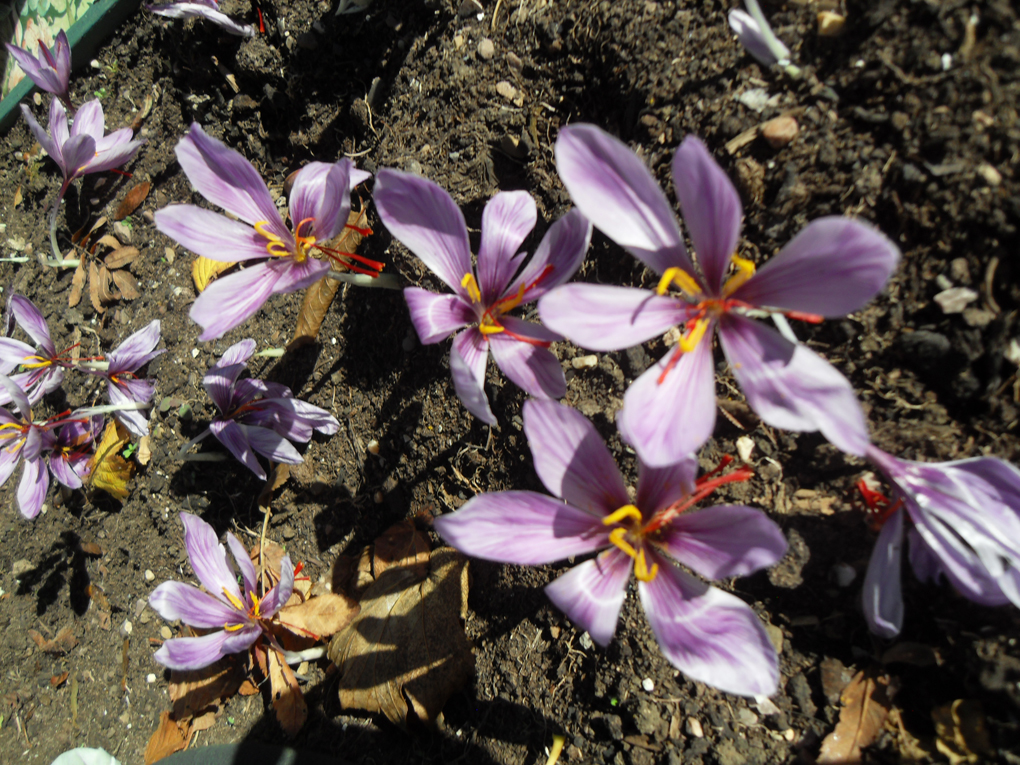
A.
x: 319, y: 207
x: 831, y: 268
x: 22, y: 440
x: 256, y: 416
x: 44, y: 366
x: 51, y: 70
x: 238, y: 615
x: 709, y: 635
x: 125, y: 387
x: 81, y: 149
x: 203, y: 9
x: 757, y: 37
x: 964, y: 525
x: 425, y: 218
x: 72, y: 450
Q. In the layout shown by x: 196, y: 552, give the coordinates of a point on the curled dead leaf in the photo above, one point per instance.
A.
x: 288, y: 702
x: 131, y: 200
x: 866, y: 701
x: 121, y: 256
x: 127, y: 285
x: 94, y: 288
x: 170, y: 736
x: 318, y: 617
x: 107, y: 289
x: 77, y: 284
x: 63, y: 642
x: 108, y: 470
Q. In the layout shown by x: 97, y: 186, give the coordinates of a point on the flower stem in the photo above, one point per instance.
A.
x: 382, y: 281
x: 779, y: 50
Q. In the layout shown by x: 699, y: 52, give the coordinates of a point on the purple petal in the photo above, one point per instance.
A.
x: 711, y: 209
x: 231, y: 300
x: 235, y: 438
x: 468, y: 356
x: 269, y: 444
x: 571, y: 459
x: 238, y: 353
x: 883, y: 599
x: 89, y: 120
x: 507, y: 220
x: 559, y: 255
x: 660, y: 487
x: 177, y: 600
x: 278, y: 596
x: 321, y: 193
x: 17, y: 395
x: 607, y: 318
x: 137, y: 350
x: 831, y: 268
x: 293, y: 275
x: 188, y: 653
x: 208, y: 558
x: 35, y: 480
x: 530, y: 367
x: 78, y: 151
x: 427, y: 221
x: 521, y: 527
x: 244, y: 564
x: 436, y: 317
x: 667, y: 421
x: 32, y: 322
x: 290, y: 417
x: 792, y: 387
x: 63, y: 472
x: 135, y: 421
x: 13, y: 353
x: 709, y: 635
x: 210, y: 234
x: 592, y: 593
x: 750, y: 36
x: 8, y: 461
x: 724, y: 541
x: 614, y: 190
x: 219, y: 380
x: 50, y: 146
x: 201, y: 10
x: 227, y: 179
x: 112, y: 152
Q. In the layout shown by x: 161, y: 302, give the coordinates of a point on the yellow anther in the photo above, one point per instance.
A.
x: 745, y: 270
x: 687, y: 283
x: 234, y: 600
x: 641, y: 570
x: 274, y: 244
x: 232, y: 627
x: 488, y: 327
x: 616, y: 537
x: 508, y: 304
x: 690, y: 341
x: 41, y: 362
x: 255, y: 608
x: 627, y: 511
x: 469, y: 283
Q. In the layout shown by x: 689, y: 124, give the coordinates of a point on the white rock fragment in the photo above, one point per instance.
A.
x: 586, y: 641
x: 955, y: 299
x: 150, y: 678
x: 149, y: 576
x: 745, y: 447
x: 585, y: 362
x: 195, y: 352
x: 126, y: 628
x: 990, y: 175
x: 373, y: 447
x: 648, y: 685
x: 694, y: 728
x: 1012, y: 352
x: 844, y: 574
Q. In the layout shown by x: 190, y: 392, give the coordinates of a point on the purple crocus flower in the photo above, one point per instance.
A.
x: 319, y: 207
x: 964, y: 525
x: 72, y: 450
x: 708, y: 634
x: 22, y: 440
x: 44, y: 366
x: 125, y: 387
x: 238, y: 616
x: 257, y: 416
x: 425, y: 218
x: 831, y: 268
x: 757, y: 37
x: 51, y: 70
x: 202, y: 9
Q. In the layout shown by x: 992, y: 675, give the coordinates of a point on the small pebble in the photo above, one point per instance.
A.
x: 745, y: 447
x: 746, y: 716
x: 378, y: 497
x: 780, y: 131
x: 195, y: 352
x: 586, y: 642
x: 694, y: 728
x: 830, y: 24
x: 150, y: 678
x: 990, y: 175
x: 125, y: 628
x: 373, y: 447
x: 648, y: 685
x: 585, y: 362
x: 505, y: 89
x: 955, y: 299
x: 486, y: 49
x: 844, y: 574
x: 165, y: 633
x: 149, y: 576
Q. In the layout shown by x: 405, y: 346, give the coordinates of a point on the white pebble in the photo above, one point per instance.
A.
x: 373, y: 447
x: 150, y: 678
x: 694, y: 728
x: 149, y: 576
x: 195, y: 352
x: 585, y: 362
x: 745, y: 447
x: 586, y: 642
x: 125, y: 628
x: 648, y: 685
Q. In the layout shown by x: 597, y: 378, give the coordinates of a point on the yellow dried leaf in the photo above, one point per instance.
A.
x: 204, y: 270
x: 108, y: 470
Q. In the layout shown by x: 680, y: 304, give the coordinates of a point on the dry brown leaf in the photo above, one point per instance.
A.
x: 108, y: 470
x: 107, y: 289
x: 91, y: 548
x: 406, y: 652
x: 58, y: 680
x: 82, y: 235
x: 401, y: 545
x: 319, y: 617
x: 108, y: 240
x: 94, y: 288
x: 204, y: 270
x: 131, y: 200
x: 248, y: 688
x: 917, y: 654
x: 121, y: 256
x: 198, y: 695
x: 62, y: 643
x: 277, y: 477
x: 17, y: 196
x: 866, y: 702
x: 289, y: 704
x: 126, y: 284
x: 77, y: 284
x: 95, y: 593
x: 962, y: 732
x: 319, y: 296
x: 144, y: 453
x: 170, y: 736
x: 920, y: 748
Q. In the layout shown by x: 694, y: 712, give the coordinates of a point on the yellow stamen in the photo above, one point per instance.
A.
x: 255, y: 608
x: 687, y: 283
x: 232, y: 627
x: 487, y: 327
x: 469, y: 283
x: 690, y: 341
x: 234, y: 600
x: 641, y: 570
x: 627, y: 511
x: 616, y: 537
x: 508, y: 304
x: 745, y: 270
x: 36, y: 364
x: 274, y: 245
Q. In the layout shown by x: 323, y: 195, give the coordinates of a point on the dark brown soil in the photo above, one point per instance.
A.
x: 927, y: 153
